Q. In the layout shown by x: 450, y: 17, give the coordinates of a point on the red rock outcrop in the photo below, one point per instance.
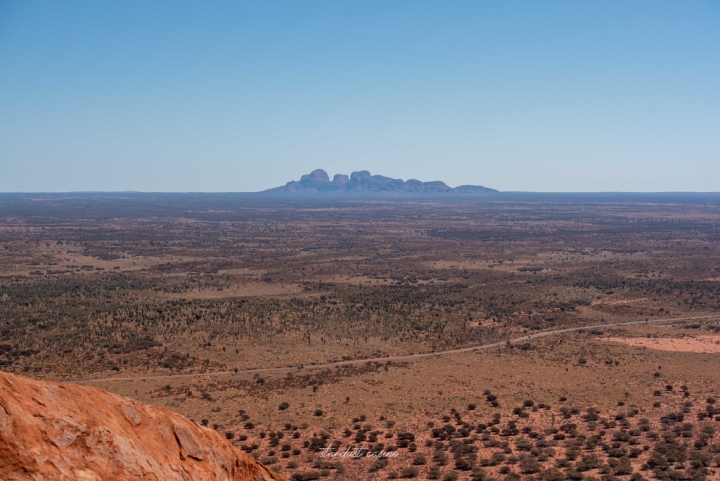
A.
x: 57, y: 431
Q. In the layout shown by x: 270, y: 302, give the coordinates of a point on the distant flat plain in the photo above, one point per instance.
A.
x: 133, y: 285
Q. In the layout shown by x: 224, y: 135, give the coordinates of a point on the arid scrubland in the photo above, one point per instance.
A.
x: 128, y: 287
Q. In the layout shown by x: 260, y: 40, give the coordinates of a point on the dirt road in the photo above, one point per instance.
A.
x: 395, y: 358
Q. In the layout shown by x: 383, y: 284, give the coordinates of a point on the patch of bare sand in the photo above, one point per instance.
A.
x: 618, y: 302
x: 249, y: 289
x: 702, y: 344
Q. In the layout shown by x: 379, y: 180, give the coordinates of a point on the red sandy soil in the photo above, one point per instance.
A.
x: 702, y: 344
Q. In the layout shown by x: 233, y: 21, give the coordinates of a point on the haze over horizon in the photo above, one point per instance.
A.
x: 226, y: 96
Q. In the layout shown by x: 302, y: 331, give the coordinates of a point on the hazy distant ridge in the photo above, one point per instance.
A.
x: 318, y: 181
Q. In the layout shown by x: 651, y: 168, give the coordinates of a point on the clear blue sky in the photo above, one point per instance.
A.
x: 242, y: 96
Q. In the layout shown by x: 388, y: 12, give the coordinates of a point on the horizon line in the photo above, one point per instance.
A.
x: 339, y: 194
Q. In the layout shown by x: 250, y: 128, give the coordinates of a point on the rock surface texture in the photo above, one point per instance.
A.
x: 56, y: 431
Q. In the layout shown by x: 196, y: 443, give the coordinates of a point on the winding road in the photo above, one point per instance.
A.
x: 394, y: 358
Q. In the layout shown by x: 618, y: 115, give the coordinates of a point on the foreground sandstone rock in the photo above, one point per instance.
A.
x: 55, y: 431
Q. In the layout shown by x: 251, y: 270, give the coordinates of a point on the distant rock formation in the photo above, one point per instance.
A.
x: 63, y: 431
x: 364, y: 183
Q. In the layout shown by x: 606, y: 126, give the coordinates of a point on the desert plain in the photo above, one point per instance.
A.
x: 317, y: 334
